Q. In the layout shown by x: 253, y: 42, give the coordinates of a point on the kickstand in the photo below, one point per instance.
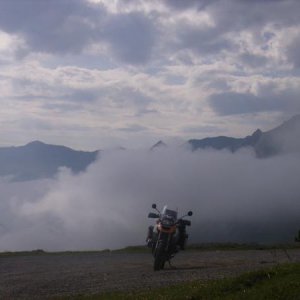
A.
x: 172, y: 267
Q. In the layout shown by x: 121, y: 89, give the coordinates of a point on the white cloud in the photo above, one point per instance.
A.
x: 113, y: 63
x: 234, y: 197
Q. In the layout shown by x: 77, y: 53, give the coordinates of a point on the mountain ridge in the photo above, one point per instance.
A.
x: 279, y: 140
x: 37, y: 160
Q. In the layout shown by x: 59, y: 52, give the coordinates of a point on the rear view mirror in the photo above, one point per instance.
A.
x: 153, y: 215
x: 154, y: 205
x: 190, y: 213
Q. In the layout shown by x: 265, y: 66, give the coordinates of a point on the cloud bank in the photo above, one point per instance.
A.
x: 234, y: 197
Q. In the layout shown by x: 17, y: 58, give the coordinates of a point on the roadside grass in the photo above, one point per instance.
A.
x: 281, y: 282
x: 144, y: 249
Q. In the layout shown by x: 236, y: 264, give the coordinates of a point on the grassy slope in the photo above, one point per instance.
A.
x: 280, y: 282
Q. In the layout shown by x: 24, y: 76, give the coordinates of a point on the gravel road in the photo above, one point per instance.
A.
x: 46, y: 276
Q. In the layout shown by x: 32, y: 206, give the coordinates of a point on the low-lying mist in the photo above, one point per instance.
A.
x: 234, y: 197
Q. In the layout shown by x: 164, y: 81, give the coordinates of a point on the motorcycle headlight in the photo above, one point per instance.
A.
x: 167, y: 222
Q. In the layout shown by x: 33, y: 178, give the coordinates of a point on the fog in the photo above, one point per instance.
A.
x: 234, y: 198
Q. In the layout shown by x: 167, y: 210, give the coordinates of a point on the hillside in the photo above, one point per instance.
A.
x: 280, y: 140
x: 39, y: 160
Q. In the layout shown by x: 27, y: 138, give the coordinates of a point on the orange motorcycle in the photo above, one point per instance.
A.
x: 168, y: 236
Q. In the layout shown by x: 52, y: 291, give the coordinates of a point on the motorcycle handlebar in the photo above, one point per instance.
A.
x: 184, y: 222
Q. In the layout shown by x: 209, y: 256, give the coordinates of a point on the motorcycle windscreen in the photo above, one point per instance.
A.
x: 169, y: 212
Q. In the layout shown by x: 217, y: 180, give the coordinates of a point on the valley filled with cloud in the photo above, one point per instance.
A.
x: 235, y: 198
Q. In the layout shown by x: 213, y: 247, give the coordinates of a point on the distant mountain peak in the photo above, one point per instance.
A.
x: 159, y: 144
x: 35, y: 143
x: 282, y: 139
x: 257, y: 132
x: 39, y: 160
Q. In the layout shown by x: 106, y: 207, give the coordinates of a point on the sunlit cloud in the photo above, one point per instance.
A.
x: 100, y: 63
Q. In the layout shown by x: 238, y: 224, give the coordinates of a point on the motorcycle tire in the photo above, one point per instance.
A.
x: 159, y: 261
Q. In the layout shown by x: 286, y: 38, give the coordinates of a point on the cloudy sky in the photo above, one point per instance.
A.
x: 93, y: 74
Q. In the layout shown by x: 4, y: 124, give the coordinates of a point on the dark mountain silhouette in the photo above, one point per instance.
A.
x: 282, y: 139
x: 39, y: 160
x: 159, y: 144
x: 224, y: 142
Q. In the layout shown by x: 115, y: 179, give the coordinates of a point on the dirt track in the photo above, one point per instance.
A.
x: 45, y: 276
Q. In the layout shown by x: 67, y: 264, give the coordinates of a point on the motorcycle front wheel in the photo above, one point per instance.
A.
x: 159, y: 258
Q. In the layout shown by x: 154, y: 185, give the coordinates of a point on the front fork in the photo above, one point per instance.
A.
x: 166, y: 239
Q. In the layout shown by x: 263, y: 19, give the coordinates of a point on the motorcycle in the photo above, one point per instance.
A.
x: 168, y: 236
